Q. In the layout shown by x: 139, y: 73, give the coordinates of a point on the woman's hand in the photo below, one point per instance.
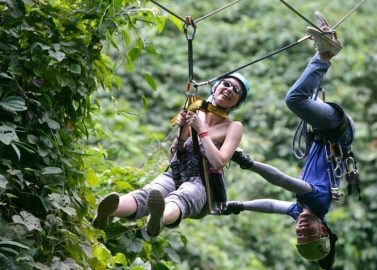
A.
x: 193, y: 120
x: 181, y: 119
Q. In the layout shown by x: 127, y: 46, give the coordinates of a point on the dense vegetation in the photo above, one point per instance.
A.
x: 87, y: 89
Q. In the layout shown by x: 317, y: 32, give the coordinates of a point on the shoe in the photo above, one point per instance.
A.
x: 326, y: 41
x: 321, y: 20
x: 156, y: 207
x: 323, y: 42
x: 106, y: 207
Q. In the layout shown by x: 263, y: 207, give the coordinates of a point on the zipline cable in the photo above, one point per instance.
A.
x: 253, y: 62
x: 300, y: 15
x: 349, y: 13
x: 312, y: 24
x: 216, y: 11
x: 281, y: 49
x: 169, y: 11
x: 199, y: 19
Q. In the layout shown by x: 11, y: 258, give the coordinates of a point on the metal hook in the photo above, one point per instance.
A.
x: 189, y: 22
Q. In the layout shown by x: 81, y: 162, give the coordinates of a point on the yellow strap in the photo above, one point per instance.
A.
x: 197, y: 103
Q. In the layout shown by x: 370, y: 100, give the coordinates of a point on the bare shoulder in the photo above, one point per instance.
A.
x: 236, y: 124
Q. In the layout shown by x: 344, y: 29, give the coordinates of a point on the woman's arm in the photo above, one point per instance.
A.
x: 220, y: 157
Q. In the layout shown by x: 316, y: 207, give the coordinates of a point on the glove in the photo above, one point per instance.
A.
x: 242, y: 159
x: 233, y: 208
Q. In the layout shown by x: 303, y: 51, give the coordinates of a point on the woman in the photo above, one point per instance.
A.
x: 173, y: 195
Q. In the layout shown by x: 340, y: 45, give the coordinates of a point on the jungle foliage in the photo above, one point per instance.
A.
x: 87, y: 89
x: 51, y: 62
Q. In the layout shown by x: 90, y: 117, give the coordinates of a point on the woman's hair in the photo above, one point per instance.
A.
x: 327, y: 262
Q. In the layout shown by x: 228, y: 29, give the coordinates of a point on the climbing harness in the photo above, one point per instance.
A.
x: 340, y: 163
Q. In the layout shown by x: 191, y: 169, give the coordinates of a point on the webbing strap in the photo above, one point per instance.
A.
x: 200, y: 104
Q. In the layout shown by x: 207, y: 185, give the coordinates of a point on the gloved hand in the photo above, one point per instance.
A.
x: 234, y: 207
x: 242, y: 159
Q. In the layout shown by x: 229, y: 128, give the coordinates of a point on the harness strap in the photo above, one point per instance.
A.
x: 196, y: 103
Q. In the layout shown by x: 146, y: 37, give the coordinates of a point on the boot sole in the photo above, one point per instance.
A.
x: 328, y: 45
x: 105, y: 208
x: 156, y: 207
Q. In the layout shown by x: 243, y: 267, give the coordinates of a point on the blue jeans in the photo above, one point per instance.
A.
x: 315, y: 112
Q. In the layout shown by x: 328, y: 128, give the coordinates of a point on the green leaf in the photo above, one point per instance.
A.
x: 177, y: 22
x: 8, y: 250
x: 12, y: 243
x: 145, y: 102
x: 120, y: 258
x: 5, y: 75
x: 13, y: 104
x: 3, y: 182
x: 150, y: 81
x: 15, y: 148
x: 62, y: 202
x: 51, y: 170
x: 126, y: 37
x: 27, y: 219
x: 173, y: 255
x: 101, y: 253
x: 160, y: 23
x: 17, y: 8
x: 75, y: 68
x: 59, y: 56
x: 133, y: 54
x: 8, y: 134
x: 92, y: 179
x: 138, y: 263
x: 50, y: 122
x: 4, y: 259
x: 40, y: 266
x: 118, y: 4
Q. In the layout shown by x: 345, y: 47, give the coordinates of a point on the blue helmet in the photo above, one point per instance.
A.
x: 244, y: 83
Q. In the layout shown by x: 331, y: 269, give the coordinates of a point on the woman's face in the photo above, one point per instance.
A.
x: 227, y: 93
x: 308, y: 227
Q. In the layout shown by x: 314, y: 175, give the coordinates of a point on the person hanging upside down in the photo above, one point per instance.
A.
x: 180, y: 193
x: 332, y: 129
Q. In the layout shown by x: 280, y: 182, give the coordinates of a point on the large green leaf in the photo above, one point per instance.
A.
x: 27, y: 219
x: 13, y: 104
x: 12, y: 244
x: 8, y: 134
x: 62, y: 202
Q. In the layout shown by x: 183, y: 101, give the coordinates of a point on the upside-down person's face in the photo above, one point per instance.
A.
x: 309, y: 227
x: 227, y: 93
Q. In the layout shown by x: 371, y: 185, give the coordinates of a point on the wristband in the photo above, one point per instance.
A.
x: 203, y: 134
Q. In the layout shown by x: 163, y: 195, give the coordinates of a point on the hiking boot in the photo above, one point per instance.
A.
x: 106, y: 207
x: 327, y: 40
x: 156, y: 207
x: 321, y: 20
